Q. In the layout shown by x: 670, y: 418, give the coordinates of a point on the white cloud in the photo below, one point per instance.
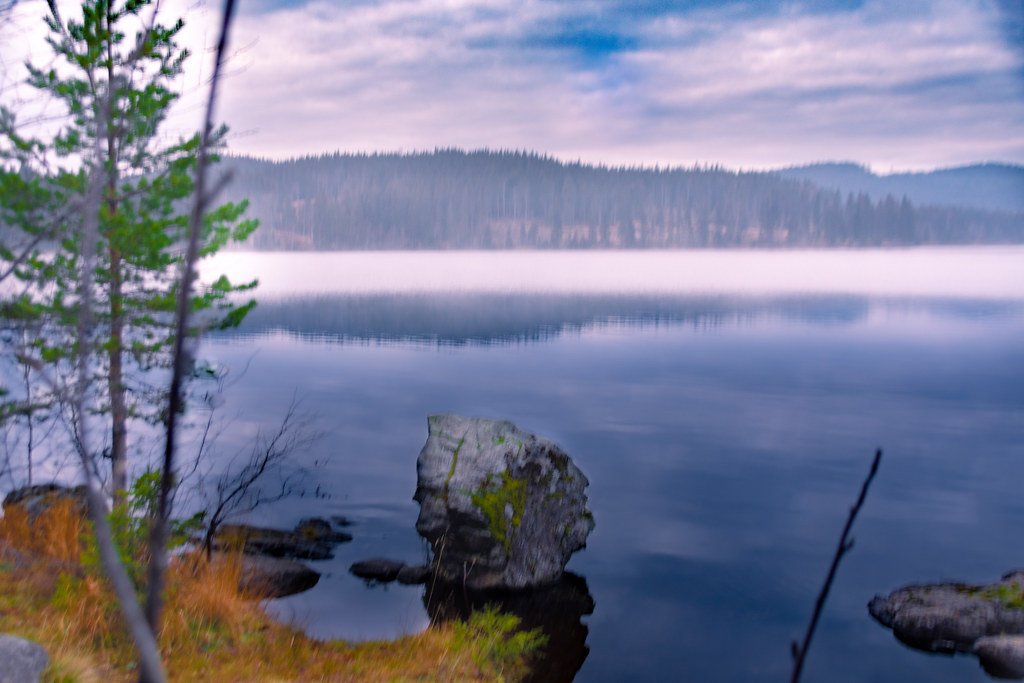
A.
x: 905, y: 91
x: 913, y: 85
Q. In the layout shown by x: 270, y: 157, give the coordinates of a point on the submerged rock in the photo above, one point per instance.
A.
x: 413, y: 574
x: 319, y: 529
x: 958, y: 617
x: 383, y: 570
x: 273, y: 577
x: 379, y: 569
x: 502, y: 508
x: 312, y: 539
x: 1001, y: 656
x: 21, y: 661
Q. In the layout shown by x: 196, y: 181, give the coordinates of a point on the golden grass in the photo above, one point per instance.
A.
x: 55, y: 535
x: 210, y: 632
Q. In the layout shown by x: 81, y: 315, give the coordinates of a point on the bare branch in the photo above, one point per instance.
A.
x: 800, y: 651
x: 238, y: 491
x: 160, y: 526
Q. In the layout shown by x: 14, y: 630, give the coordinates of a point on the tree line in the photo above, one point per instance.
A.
x: 449, y: 198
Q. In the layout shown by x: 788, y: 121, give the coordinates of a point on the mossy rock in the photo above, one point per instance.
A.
x: 501, y: 507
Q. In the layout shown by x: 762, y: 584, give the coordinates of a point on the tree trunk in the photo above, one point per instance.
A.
x: 115, y: 373
x: 115, y: 383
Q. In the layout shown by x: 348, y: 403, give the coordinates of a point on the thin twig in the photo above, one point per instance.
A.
x: 159, y: 531
x: 238, y: 491
x: 845, y: 545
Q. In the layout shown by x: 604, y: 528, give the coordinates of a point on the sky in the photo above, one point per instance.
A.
x: 747, y: 84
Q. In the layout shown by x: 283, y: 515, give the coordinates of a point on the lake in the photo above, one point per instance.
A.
x: 725, y: 406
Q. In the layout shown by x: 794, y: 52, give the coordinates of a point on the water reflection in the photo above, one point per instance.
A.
x: 557, y: 610
x: 483, y: 319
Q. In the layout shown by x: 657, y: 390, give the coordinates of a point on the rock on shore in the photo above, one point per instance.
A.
x: 502, y: 508
x: 21, y: 661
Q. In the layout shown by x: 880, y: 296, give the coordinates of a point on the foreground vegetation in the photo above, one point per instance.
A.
x: 52, y: 591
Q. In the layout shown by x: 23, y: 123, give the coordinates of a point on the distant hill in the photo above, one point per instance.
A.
x: 451, y: 199
x: 993, y: 187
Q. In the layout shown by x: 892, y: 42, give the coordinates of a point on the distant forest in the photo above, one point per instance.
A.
x: 995, y: 187
x: 497, y: 200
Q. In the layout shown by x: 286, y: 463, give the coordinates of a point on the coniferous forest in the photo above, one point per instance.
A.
x: 497, y: 200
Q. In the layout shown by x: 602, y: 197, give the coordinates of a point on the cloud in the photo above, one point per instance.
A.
x: 895, y: 85
x: 918, y: 89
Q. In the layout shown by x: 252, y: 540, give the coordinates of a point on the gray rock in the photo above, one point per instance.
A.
x: 379, y: 569
x: 1001, y: 656
x: 950, y: 617
x: 956, y: 617
x: 501, y: 507
x: 21, y: 661
x: 272, y: 577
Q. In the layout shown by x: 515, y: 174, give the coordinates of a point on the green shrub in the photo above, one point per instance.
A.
x: 502, y: 646
x: 130, y: 524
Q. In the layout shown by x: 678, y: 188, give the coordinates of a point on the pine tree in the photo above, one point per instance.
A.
x: 114, y: 76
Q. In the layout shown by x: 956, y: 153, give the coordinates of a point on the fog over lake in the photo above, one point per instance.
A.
x: 955, y: 272
x: 724, y: 405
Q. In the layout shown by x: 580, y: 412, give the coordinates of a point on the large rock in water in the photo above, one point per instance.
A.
x: 501, y: 507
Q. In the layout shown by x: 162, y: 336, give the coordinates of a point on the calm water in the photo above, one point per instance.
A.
x: 724, y: 407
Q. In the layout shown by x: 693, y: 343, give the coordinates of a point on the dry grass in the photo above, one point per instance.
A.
x: 209, y: 632
x: 55, y: 535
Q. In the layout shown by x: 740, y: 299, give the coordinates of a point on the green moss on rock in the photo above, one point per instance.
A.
x: 1011, y: 595
x: 455, y: 461
x: 494, y: 498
